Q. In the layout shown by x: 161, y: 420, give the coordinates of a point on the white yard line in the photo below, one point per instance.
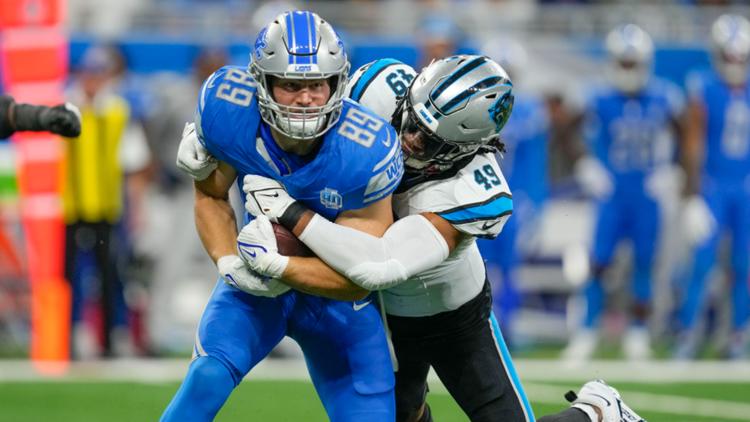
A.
x: 529, y: 371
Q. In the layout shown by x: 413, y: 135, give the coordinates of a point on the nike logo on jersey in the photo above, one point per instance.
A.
x: 359, y: 306
x: 487, y: 225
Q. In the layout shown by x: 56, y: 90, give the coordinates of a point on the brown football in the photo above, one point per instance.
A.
x: 288, y: 243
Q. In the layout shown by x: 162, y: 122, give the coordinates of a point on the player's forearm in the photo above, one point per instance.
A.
x: 215, y: 223
x: 692, y: 148
x: 313, y: 276
x: 408, y: 247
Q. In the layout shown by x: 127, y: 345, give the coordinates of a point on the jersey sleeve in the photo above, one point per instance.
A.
x: 370, y: 152
x: 378, y: 85
x: 228, y: 95
x: 675, y: 99
x: 592, y: 126
x: 483, y: 201
x: 476, y: 201
x: 694, y: 84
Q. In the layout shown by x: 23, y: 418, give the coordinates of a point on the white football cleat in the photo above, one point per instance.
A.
x: 597, y: 394
x: 581, y: 346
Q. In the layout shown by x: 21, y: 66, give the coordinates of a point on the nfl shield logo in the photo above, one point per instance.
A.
x: 330, y: 198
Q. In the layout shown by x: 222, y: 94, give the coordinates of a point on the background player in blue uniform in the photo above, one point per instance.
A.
x: 338, y: 159
x: 717, y: 148
x: 524, y: 164
x: 630, y: 132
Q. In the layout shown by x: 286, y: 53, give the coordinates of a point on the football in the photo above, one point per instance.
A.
x: 288, y: 243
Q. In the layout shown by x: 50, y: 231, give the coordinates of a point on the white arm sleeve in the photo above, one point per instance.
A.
x: 410, y: 246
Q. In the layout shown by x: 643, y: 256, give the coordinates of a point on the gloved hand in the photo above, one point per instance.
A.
x: 664, y: 182
x: 265, y: 196
x: 192, y: 156
x: 594, y: 178
x: 62, y: 119
x: 257, y: 245
x: 698, y: 221
x: 235, y: 273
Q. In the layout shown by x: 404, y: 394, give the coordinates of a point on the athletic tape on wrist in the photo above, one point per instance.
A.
x: 292, y: 215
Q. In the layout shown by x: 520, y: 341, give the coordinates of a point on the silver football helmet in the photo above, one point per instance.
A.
x: 456, y: 106
x: 730, y: 39
x: 631, y: 52
x: 299, y: 45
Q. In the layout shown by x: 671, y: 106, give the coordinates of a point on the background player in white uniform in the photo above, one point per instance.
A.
x: 427, y: 264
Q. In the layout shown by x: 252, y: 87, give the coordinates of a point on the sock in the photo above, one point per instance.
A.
x: 206, y: 387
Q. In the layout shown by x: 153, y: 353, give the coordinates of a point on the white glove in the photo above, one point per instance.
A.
x: 237, y: 274
x: 664, y: 182
x: 257, y: 246
x: 698, y: 221
x: 265, y: 196
x: 192, y: 156
x: 594, y: 178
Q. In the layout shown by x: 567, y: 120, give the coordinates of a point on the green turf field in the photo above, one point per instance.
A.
x: 296, y: 401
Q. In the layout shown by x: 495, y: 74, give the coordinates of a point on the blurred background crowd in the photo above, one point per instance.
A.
x: 612, y: 251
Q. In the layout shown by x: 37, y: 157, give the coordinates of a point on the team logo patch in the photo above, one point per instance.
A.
x: 330, y: 198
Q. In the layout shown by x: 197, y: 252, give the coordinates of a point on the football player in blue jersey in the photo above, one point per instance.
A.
x: 717, y: 157
x: 426, y: 266
x: 630, y: 129
x: 284, y: 117
x: 524, y: 163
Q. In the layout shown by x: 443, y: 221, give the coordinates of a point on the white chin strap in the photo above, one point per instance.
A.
x: 414, y: 163
x: 629, y: 80
x: 301, y: 127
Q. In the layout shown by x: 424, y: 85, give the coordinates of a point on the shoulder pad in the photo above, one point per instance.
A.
x: 673, y: 96
x: 476, y: 201
x: 695, y: 83
x: 483, y: 199
x: 374, y: 165
x: 379, y: 84
x: 228, y: 95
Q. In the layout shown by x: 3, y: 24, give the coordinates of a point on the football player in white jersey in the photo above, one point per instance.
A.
x: 427, y: 265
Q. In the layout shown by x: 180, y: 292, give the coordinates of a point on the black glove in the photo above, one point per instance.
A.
x: 62, y: 119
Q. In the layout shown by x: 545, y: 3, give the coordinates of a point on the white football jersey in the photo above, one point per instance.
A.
x: 377, y: 85
x: 476, y: 200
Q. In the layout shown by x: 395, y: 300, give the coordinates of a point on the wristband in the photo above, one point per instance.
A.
x: 292, y: 215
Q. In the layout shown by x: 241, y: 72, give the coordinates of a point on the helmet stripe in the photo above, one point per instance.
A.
x: 290, y: 38
x: 483, y: 84
x: 370, y: 75
x: 303, y: 40
x: 313, y: 37
x: 457, y: 74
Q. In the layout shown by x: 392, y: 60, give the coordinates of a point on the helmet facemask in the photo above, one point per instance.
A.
x: 631, y: 52
x: 730, y: 36
x: 299, y: 46
x: 301, y: 123
x: 425, y: 151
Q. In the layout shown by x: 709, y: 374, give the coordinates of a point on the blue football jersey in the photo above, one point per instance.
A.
x: 633, y: 134
x: 727, y: 149
x: 359, y: 161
